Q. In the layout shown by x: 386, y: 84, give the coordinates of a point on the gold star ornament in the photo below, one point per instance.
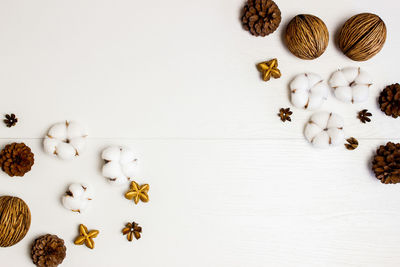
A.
x: 138, y: 192
x: 86, y: 237
x: 269, y: 69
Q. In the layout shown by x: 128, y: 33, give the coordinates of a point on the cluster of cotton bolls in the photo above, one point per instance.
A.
x: 67, y: 140
x: 309, y: 91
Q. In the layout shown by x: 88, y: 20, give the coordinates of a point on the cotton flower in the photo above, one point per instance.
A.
x: 66, y: 140
x: 325, y: 129
x: 351, y: 85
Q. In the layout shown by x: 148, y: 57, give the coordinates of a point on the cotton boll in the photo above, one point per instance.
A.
x: 78, y: 143
x: 335, y: 121
x: 364, y: 78
x: 76, y: 189
x: 127, y: 156
x: 360, y: 93
x: 321, y: 140
x: 321, y: 119
x: 300, y: 83
x: 112, y: 153
x: 344, y: 94
x: 121, y: 164
x: 356, y: 88
x: 58, y: 131
x: 112, y: 169
x: 350, y: 73
x: 74, y: 129
x: 299, y: 99
x: 324, y: 130
x: 66, y: 139
x: 337, y: 80
x: 336, y: 135
x: 50, y: 145
x: 313, y: 79
x: 320, y: 89
x: 77, y: 197
x: 130, y: 169
x: 119, y: 181
x: 65, y: 151
x: 308, y: 91
x: 311, y: 131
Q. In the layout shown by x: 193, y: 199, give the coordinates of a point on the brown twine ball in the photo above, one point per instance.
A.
x: 15, y: 220
x: 307, y: 36
x: 362, y: 36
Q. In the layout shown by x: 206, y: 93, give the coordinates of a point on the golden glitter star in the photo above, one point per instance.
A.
x: 269, y: 69
x: 137, y: 192
x: 86, y: 237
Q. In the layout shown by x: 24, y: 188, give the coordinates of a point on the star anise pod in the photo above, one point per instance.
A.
x: 132, y: 230
x: 364, y: 115
x: 352, y: 143
x: 284, y: 114
x: 10, y: 120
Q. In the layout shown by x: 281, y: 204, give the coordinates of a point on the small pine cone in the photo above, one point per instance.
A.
x: 386, y: 163
x: 389, y: 100
x: 16, y: 159
x: 48, y: 251
x: 261, y: 17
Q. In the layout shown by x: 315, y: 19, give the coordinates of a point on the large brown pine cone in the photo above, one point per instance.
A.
x: 389, y: 100
x: 261, y: 17
x: 386, y: 163
x: 48, y: 251
x: 16, y: 159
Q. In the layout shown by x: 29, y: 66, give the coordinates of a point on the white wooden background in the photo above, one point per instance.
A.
x: 231, y: 185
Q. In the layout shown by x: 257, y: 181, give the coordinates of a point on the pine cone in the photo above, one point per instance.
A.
x: 386, y: 163
x: 16, y: 159
x: 261, y: 17
x: 48, y: 251
x: 389, y: 100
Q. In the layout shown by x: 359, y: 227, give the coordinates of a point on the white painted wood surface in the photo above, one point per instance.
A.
x: 230, y: 184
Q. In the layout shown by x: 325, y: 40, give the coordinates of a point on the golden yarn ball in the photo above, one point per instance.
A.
x: 362, y: 36
x: 307, y: 36
x: 15, y: 220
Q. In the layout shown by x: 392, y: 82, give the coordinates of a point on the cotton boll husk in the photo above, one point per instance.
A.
x: 311, y: 131
x: 130, y: 169
x: 58, y: 131
x: 350, y: 73
x: 78, y: 143
x: 321, y: 119
x: 300, y: 83
x: 337, y: 80
x: 65, y: 151
x: 299, y: 98
x: 112, y: 169
x: 127, y: 155
x: 360, y: 93
x: 321, y: 140
x: 50, y: 144
x: 74, y: 129
x: 313, y: 79
x: 344, y: 94
x: 112, y: 153
x: 336, y: 135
